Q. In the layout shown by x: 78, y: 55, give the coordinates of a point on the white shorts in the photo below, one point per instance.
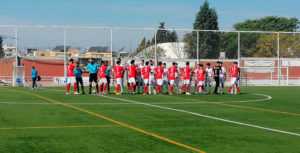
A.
x: 234, y: 81
x: 172, y: 82
x: 131, y: 80
x: 186, y: 82
x: 102, y: 81
x: 159, y: 82
x: 200, y: 83
x: 146, y: 81
x: 71, y: 80
x: 119, y: 81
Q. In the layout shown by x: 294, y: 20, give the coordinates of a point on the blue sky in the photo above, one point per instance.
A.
x: 128, y: 13
x: 138, y: 13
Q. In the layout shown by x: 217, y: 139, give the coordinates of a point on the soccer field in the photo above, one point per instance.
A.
x: 262, y: 120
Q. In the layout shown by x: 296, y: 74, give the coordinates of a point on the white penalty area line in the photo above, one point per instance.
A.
x: 205, y: 116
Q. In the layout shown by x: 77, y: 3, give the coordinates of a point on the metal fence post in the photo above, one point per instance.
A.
x: 287, y: 76
x: 155, y: 46
x: 239, y: 49
x: 111, y: 46
x: 65, y: 54
x: 198, y: 60
x: 278, y: 56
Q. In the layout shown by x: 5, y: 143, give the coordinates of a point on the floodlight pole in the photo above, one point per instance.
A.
x: 198, y: 60
x: 155, y: 46
x: 111, y: 46
x: 239, y: 49
x: 278, y: 56
x: 65, y: 54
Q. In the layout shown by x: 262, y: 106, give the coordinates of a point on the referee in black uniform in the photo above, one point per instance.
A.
x: 217, y: 70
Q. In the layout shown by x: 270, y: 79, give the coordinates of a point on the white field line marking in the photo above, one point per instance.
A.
x: 157, y: 103
x: 80, y: 103
x: 205, y: 116
x: 242, y: 101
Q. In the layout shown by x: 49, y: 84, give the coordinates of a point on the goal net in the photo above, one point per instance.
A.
x: 264, y: 76
x: 19, y: 76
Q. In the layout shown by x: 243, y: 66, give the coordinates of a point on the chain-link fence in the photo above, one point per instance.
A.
x: 55, y: 44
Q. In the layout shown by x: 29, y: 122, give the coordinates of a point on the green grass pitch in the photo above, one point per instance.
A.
x: 262, y: 120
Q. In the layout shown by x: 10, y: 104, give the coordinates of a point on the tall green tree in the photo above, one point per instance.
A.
x: 251, y: 41
x: 268, y: 23
x: 162, y: 36
x: 1, y: 49
x: 206, y: 19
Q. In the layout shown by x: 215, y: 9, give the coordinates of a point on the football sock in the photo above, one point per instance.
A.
x: 104, y: 88
x: 230, y: 89
x: 75, y: 87
x: 171, y: 89
x: 145, y: 89
x: 182, y: 87
x: 100, y: 88
x: 68, y: 87
x: 187, y: 88
x: 198, y: 88
x: 238, y: 89
x: 118, y: 88
x: 158, y: 88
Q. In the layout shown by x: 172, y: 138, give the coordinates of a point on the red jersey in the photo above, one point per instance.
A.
x: 145, y: 71
x: 171, y: 73
x: 234, y: 71
x: 186, y: 73
x: 200, y: 74
x: 131, y: 71
x: 102, y: 71
x: 70, y: 69
x: 118, y: 72
x: 159, y: 72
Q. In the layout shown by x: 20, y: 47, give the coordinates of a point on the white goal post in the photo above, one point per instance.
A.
x: 264, y: 76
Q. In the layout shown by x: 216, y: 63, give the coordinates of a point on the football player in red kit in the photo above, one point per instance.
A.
x: 200, y: 73
x: 186, y: 78
x: 131, y: 75
x: 118, y: 72
x: 145, y: 73
x: 235, y: 71
x: 71, y: 77
x: 102, y: 78
x: 158, y: 75
x: 171, y: 74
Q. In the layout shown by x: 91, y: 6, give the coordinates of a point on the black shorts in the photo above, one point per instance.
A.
x: 93, y: 77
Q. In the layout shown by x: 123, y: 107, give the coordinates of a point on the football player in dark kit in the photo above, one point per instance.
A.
x: 217, y: 70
